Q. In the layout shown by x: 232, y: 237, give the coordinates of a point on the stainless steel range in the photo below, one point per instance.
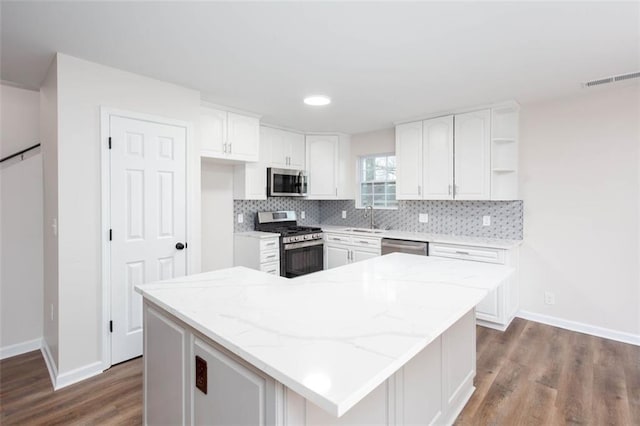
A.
x: 301, y: 247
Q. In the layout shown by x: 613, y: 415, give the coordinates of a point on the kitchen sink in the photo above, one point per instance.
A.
x: 365, y: 231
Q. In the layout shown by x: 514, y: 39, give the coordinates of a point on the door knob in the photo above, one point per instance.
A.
x: 180, y: 246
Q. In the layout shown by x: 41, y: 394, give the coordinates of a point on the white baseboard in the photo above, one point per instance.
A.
x: 607, y: 333
x: 60, y: 381
x: 20, y: 348
x: 77, y: 375
x: 50, y: 363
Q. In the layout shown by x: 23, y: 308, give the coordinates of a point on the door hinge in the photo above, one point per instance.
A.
x: 110, y: 234
x: 109, y: 142
x: 110, y: 326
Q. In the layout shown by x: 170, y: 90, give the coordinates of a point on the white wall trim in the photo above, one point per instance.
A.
x: 20, y: 348
x: 208, y: 104
x: 48, y: 360
x: 78, y: 374
x: 607, y: 333
x: 192, y: 229
x: 443, y: 113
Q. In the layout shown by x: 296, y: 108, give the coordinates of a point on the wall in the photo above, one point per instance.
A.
x: 21, y: 223
x: 217, y: 211
x: 579, y: 162
x: 49, y: 141
x: 83, y: 87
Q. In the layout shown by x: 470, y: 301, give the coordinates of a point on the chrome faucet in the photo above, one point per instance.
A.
x: 369, y: 213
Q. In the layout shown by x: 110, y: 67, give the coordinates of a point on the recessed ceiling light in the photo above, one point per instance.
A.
x: 317, y: 100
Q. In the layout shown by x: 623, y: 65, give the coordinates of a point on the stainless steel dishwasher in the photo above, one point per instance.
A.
x: 390, y: 245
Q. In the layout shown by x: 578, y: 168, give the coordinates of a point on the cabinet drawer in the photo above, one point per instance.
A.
x: 271, y: 268
x: 268, y: 244
x: 366, y: 242
x: 337, y: 238
x: 478, y: 254
x: 269, y: 256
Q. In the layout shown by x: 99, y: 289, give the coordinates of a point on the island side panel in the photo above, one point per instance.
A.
x: 165, y: 369
x: 432, y: 388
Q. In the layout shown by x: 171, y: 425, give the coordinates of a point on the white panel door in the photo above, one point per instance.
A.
x: 363, y: 254
x: 243, y: 137
x: 322, y: 166
x: 335, y: 256
x: 235, y: 395
x: 437, y: 160
x: 473, y: 155
x: 148, y: 219
x: 409, y: 161
x: 212, y: 132
x: 295, y: 142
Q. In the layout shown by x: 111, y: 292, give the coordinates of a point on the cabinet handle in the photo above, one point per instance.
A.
x: 229, y: 148
x: 270, y: 256
x: 363, y: 242
x: 449, y: 189
x: 462, y: 252
x: 273, y: 271
x: 456, y: 189
x: 224, y: 147
x: 419, y: 190
x: 349, y: 255
x: 270, y: 244
x: 336, y: 192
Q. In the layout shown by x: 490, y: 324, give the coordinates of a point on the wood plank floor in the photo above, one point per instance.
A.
x: 532, y: 374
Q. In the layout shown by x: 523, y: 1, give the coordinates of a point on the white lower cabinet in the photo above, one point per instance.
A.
x: 257, y: 250
x: 190, y: 379
x: 500, y: 306
x: 227, y: 391
x: 341, y: 249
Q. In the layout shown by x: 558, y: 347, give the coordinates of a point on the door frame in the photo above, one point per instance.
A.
x: 192, y: 228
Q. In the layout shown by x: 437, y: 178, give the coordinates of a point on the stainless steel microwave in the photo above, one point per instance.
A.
x: 286, y: 183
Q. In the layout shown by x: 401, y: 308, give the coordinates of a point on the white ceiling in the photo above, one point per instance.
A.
x: 379, y: 62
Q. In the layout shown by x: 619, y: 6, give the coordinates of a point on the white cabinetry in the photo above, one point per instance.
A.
x: 328, y: 167
x: 228, y: 136
x: 341, y: 249
x: 236, y: 393
x: 282, y: 148
x: 257, y: 250
x: 499, y: 307
x: 250, y: 181
x: 470, y: 156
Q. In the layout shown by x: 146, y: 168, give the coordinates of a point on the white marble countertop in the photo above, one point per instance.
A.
x: 431, y: 238
x: 258, y: 234
x: 335, y: 335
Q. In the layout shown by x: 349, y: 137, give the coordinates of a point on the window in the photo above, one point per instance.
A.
x: 377, y: 181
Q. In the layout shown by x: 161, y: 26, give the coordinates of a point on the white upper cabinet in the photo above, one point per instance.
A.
x: 472, y: 163
x: 437, y: 160
x: 282, y: 148
x: 295, y: 144
x: 322, y: 166
x: 409, y: 161
x: 229, y: 136
x: 329, y: 168
x: 243, y: 137
x: 459, y: 157
x: 213, y: 131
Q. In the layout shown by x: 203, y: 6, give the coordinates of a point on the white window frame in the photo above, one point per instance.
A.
x: 359, y: 181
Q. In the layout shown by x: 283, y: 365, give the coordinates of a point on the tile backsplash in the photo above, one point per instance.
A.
x: 445, y: 217
x: 248, y: 208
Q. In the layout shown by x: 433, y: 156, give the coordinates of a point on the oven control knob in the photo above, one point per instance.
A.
x: 308, y: 237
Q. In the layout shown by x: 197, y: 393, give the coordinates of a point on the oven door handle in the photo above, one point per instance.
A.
x: 303, y: 244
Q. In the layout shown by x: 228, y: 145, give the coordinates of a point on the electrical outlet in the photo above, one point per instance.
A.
x: 240, y: 218
x: 486, y: 220
x: 549, y: 298
x: 344, y: 214
x: 423, y: 218
x: 302, y: 215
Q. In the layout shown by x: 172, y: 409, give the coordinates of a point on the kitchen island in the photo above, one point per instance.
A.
x: 390, y: 340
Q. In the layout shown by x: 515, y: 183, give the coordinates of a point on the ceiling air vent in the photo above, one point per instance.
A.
x: 612, y: 79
